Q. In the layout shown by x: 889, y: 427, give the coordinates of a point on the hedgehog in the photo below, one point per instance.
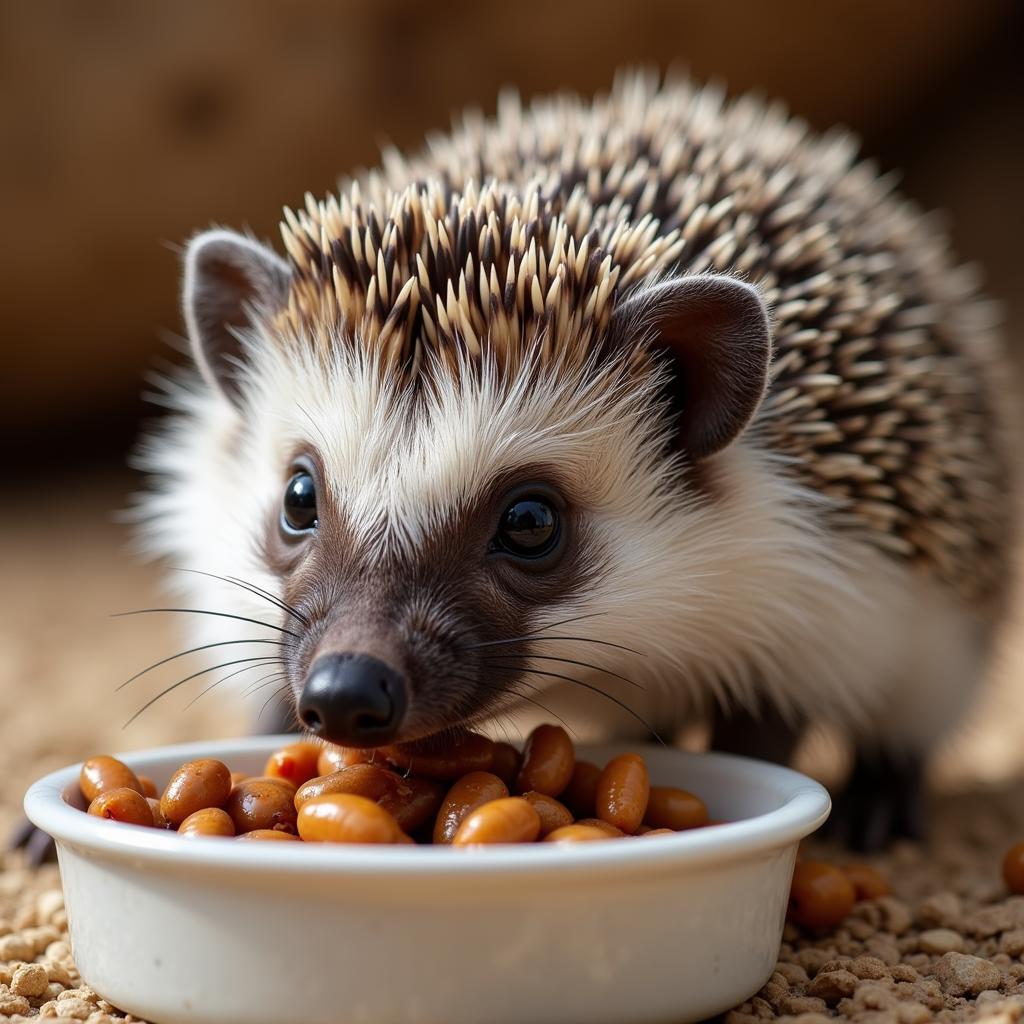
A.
x: 645, y: 411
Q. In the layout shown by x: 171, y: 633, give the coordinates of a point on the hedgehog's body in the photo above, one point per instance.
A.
x: 486, y: 314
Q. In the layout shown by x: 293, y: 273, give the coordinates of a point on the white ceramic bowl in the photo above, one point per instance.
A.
x: 670, y: 929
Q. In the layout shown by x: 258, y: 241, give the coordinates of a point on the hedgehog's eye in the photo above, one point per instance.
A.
x: 298, y: 511
x: 529, y: 527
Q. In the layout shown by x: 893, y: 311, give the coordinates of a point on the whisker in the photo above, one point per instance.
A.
x: 260, y: 683
x: 596, y: 689
x: 280, y: 602
x: 193, y: 650
x: 217, y: 683
x: 547, y: 711
x: 530, y: 636
x: 565, y: 622
x: 277, y: 693
x: 195, y: 675
x: 252, y: 589
x: 511, y: 690
x: 204, y: 611
x: 571, y: 661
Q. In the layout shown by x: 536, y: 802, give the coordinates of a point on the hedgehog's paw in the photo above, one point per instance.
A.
x: 883, y: 800
x: 38, y: 846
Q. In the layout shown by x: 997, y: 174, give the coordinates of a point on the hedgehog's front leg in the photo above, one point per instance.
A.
x: 765, y: 734
x: 883, y: 799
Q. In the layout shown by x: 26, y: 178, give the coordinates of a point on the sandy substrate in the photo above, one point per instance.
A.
x: 948, y: 945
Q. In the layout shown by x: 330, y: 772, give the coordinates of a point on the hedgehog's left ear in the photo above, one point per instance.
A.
x: 227, y: 278
x: 715, y: 331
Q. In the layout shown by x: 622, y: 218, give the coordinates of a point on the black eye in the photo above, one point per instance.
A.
x: 528, y: 528
x: 298, y: 511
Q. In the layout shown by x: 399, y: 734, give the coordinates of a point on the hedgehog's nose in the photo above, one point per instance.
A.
x: 353, y: 699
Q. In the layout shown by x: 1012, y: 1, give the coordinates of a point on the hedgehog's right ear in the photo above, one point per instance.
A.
x: 714, y: 331
x: 227, y: 278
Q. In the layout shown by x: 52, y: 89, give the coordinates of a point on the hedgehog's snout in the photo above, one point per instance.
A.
x: 353, y: 699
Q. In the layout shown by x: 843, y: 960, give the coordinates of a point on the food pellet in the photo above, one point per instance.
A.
x: 261, y: 803
x: 508, y: 820
x: 552, y: 813
x: 210, y: 821
x: 474, y: 792
x: 296, y: 763
x: 623, y: 791
x: 465, y: 796
x: 548, y: 758
x: 346, y: 818
x: 470, y: 752
x: 100, y: 774
x: 149, y: 790
x: 333, y: 758
x: 505, y: 762
x: 576, y: 833
x: 821, y: 896
x: 270, y: 833
x: 613, y: 831
x: 1013, y: 869
x: 581, y: 793
x: 126, y: 805
x: 159, y: 820
x: 676, y: 809
x: 868, y: 883
x: 198, y: 784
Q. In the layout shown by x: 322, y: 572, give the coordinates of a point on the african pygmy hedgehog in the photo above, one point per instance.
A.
x: 660, y: 398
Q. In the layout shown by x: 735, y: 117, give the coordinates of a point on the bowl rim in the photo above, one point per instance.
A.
x: 806, y: 806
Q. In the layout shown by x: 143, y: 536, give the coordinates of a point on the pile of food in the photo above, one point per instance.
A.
x: 471, y: 792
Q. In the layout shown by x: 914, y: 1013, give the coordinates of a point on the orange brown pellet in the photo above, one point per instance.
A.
x: 465, y: 796
x: 210, y: 821
x: 469, y: 752
x: 676, y: 809
x: 202, y: 783
x: 622, y: 792
x: 296, y: 763
x: 149, y: 789
x: 552, y: 813
x: 580, y: 795
x: 548, y: 759
x: 260, y: 804
x: 506, y: 762
x: 576, y: 833
x: 270, y: 833
x: 346, y: 818
x: 472, y: 792
x: 333, y: 758
x: 508, y: 820
x: 123, y: 804
x: 821, y: 896
x: 868, y: 883
x: 100, y: 774
x: 1013, y: 869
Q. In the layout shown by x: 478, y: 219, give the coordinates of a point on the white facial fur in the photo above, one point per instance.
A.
x: 739, y: 595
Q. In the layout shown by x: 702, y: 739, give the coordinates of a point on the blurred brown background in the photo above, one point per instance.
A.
x: 125, y: 127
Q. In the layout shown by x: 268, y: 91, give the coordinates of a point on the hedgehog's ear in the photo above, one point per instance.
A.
x: 227, y: 278
x: 715, y: 331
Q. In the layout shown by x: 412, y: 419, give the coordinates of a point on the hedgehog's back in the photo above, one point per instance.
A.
x: 886, y: 377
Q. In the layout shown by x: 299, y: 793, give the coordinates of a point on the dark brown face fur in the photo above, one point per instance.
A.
x: 453, y: 617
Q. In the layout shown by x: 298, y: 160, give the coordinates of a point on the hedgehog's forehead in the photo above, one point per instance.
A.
x: 423, y: 271
x: 397, y: 459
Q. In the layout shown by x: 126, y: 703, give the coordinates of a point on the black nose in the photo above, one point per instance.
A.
x: 353, y: 699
